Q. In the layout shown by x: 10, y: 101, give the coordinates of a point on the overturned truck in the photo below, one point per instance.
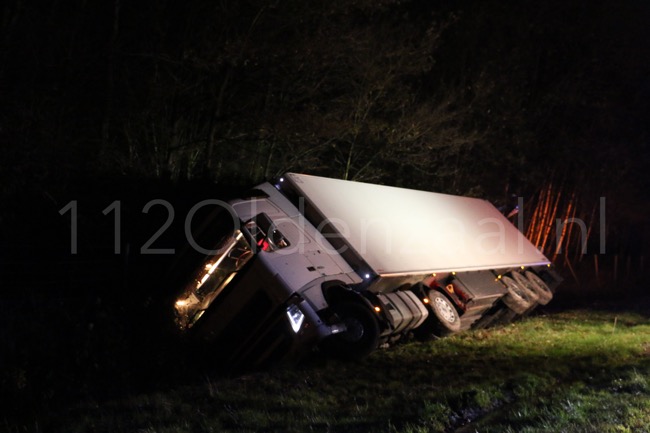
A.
x: 347, y: 266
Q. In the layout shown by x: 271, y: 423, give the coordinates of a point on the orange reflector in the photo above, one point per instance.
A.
x: 426, y: 300
x: 377, y: 309
x: 450, y: 288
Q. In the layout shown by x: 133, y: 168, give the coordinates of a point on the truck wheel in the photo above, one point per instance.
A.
x: 517, y: 298
x: 361, y: 336
x: 525, y: 284
x: 540, y: 287
x: 444, y: 320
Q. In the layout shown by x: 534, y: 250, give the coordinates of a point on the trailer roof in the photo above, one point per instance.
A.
x: 399, y: 231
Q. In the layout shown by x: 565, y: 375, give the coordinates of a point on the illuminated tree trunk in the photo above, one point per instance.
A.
x: 567, y: 227
x: 549, y: 218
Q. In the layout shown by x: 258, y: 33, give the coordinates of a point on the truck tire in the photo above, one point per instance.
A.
x: 361, y: 337
x: 525, y: 283
x: 517, y: 299
x: 540, y: 287
x: 443, y: 322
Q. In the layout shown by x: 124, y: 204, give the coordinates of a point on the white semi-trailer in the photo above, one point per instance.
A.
x: 348, y: 265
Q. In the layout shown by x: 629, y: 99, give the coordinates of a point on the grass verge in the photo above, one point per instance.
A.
x: 575, y: 371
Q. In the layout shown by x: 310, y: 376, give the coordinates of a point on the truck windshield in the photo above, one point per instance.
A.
x: 211, y: 278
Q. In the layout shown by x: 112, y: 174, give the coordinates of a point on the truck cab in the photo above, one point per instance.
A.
x: 256, y: 297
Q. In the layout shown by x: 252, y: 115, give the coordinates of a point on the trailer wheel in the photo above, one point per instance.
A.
x: 525, y: 284
x: 517, y: 298
x: 443, y: 322
x: 361, y: 336
x: 540, y: 287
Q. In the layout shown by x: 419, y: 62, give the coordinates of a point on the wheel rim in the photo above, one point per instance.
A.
x: 445, y: 310
x: 527, y: 286
x: 515, y: 289
x: 354, y: 330
x: 538, y: 282
x: 520, y: 279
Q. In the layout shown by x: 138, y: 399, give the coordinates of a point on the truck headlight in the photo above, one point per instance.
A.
x: 296, y: 317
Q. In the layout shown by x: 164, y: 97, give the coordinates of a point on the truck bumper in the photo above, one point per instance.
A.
x: 281, y: 339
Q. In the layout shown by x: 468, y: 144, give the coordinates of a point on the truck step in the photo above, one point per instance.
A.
x: 403, y: 309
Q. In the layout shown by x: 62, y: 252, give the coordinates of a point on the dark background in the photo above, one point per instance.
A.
x: 182, y: 101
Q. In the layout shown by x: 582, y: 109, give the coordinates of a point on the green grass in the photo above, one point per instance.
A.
x: 577, y: 371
